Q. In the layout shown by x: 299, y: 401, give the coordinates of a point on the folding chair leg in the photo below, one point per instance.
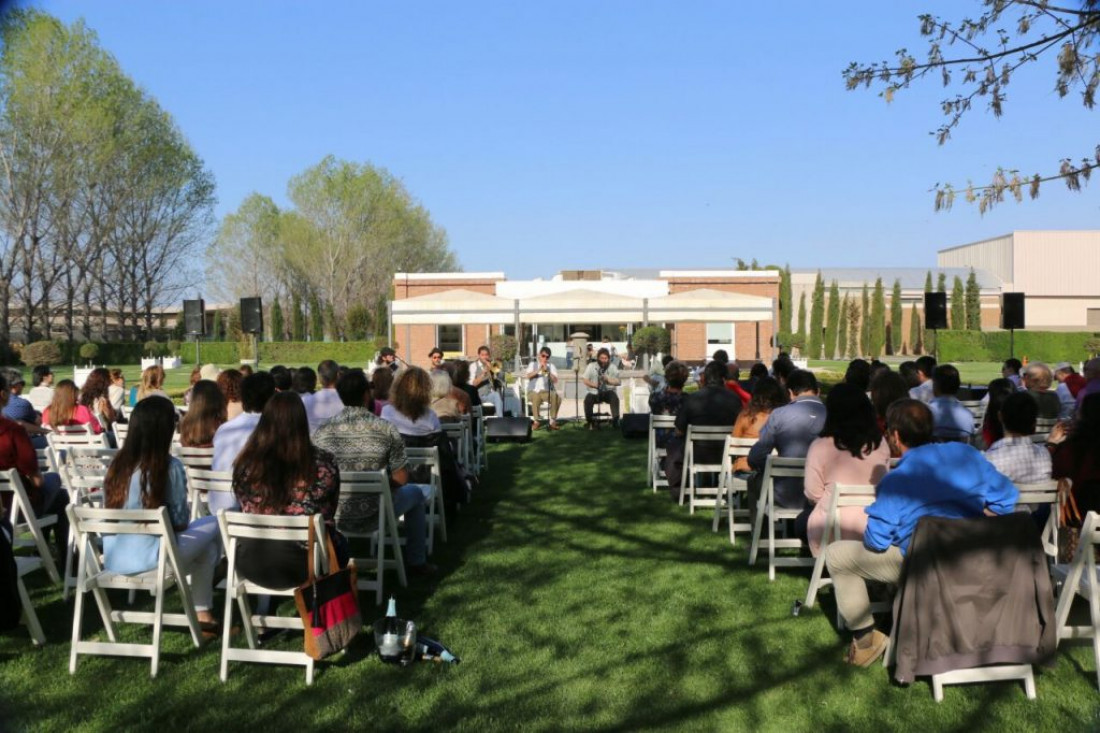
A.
x: 757, y: 526
x: 158, y: 628
x: 771, y: 540
x: 718, y: 510
x: 815, y: 579
x: 33, y: 626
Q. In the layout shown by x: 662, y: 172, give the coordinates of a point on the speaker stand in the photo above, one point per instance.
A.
x: 1012, y: 343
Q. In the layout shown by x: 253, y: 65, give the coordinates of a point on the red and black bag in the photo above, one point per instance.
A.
x: 328, y: 605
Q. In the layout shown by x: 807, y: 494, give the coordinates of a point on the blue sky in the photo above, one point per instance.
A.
x: 622, y: 133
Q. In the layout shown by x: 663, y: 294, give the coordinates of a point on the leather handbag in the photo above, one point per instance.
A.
x: 328, y: 604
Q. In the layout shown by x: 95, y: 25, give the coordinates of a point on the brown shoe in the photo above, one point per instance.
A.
x: 555, y: 426
x: 866, y: 654
x: 535, y: 425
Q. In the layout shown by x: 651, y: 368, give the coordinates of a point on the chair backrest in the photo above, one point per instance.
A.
x: 1042, y: 492
x: 708, y: 433
x: 236, y: 526
x: 424, y: 457
x: 200, y: 483
x: 458, y: 432
x: 121, y: 431
x: 59, y: 441
x: 47, y: 461
x: 657, y: 422
x: 779, y: 467
x: 201, y: 458
x: 22, y: 512
x: 361, y: 484
x: 845, y: 495
x: 98, y: 521
x: 89, y: 458
x: 83, y: 429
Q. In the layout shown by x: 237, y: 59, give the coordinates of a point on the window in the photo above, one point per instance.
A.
x: 719, y: 334
x: 449, y: 338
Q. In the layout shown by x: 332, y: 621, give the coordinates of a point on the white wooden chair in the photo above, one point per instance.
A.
x: 199, y: 485
x: 456, y: 431
x: 47, y: 461
x: 768, y: 511
x: 24, y: 565
x: 696, y: 495
x: 843, y: 495
x: 82, y: 475
x: 382, y: 535
x: 91, y: 524
x: 477, y: 415
x: 64, y: 438
x: 657, y: 454
x: 236, y: 526
x: 27, y: 527
x: 437, y: 513
x: 1044, y: 492
x: 1080, y: 578
x: 731, y: 489
x: 121, y: 430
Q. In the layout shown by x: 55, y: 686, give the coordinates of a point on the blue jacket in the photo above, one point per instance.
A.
x: 789, y: 430
x: 949, y: 480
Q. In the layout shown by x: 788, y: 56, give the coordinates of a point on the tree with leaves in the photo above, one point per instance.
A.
x: 278, y: 328
x: 896, y: 316
x: 928, y: 282
x: 832, y: 321
x: 877, y: 337
x: 855, y: 330
x: 216, y: 331
x: 786, y: 306
x: 865, y: 322
x: 941, y: 283
x: 1004, y: 37
x: 800, y: 335
x: 916, y: 340
x: 817, y: 318
x: 841, y: 327
x: 297, y: 318
x: 958, y: 305
x: 973, y: 303
x: 316, y: 319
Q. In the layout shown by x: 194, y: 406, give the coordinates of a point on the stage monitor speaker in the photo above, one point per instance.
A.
x: 194, y: 317
x: 1012, y: 310
x: 500, y: 429
x: 252, y: 315
x: 935, y: 311
x: 635, y: 425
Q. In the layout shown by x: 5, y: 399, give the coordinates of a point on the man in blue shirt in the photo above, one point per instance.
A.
x: 951, y: 420
x: 931, y: 479
x: 21, y: 410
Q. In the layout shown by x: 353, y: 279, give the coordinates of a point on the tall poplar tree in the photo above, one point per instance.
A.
x: 216, y: 330
x: 786, y: 307
x: 316, y: 319
x: 941, y: 283
x: 817, y: 318
x: 896, y: 317
x: 928, y: 281
x: 865, y: 322
x: 915, y: 332
x: 832, y: 321
x: 973, y: 303
x: 854, y: 329
x: 877, y: 337
x: 841, y: 327
x: 958, y: 305
x: 800, y: 336
x: 297, y: 318
x: 278, y: 328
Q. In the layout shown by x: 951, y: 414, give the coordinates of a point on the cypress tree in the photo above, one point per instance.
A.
x: 786, y: 307
x: 915, y: 332
x: 928, y: 282
x: 841, y: 326
x: 216, y: 330
x: 958, y: 305
x: 800, y: 337
x: 896, y: 316
x: 854, y: 329
x: 865, y: 323
x: 297, y: 318
x: 832, y: 321
x: 877, y: 338
x: 316, y: 320
x: 941, y: 283
x: 973, y: 303
x: 278, y: 328
x: 817, y: 318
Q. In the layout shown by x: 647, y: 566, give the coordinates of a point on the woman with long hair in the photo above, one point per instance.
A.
x: 145, y: 475
x: 152, y: 382
x: 999, y: 390
x: 851, y: 450
x: 410, y: 399
x: 381, y: 382
x: 64, y: 409
x: 196, y: 375
x: 767, y: 395
x: 280, y: 472
x: 229, y: 382
x: 445, y: 405
x: 205, y: 415
x: 887, y: 387
x: 1077, y: 456
x: 117, y: 390
x: 95, y: 395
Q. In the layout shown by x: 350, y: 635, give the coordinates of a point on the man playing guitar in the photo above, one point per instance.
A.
x: 488, y: 384
x: 542, y: 379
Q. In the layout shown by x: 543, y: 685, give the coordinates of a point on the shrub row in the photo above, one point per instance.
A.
x: 355, y: 353
x: 1046, y: 346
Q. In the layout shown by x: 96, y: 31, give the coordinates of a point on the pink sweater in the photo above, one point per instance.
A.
x: 825, y: 467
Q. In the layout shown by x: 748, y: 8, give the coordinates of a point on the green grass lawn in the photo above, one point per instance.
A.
x: 577, y: 599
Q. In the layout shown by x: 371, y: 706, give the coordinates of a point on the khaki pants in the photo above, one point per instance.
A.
x: 538, y: 398
x: 851, y: 565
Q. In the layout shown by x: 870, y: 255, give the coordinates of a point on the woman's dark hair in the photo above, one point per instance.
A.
x: 95, y: 386
x: 147, y: 449
x: 859, y: 374
x: 676, y: 374
x: 305, y: 380
x: 999, y: 390
x: 758, y: 371
x: 1085, y: 438
x: 767, y: 395
x: 850, y: 420
x: 382, y: 381
x: 908, y: 372
x: 229, y: 382
x: 196, y: 375
x: 461, y: 374
x: 412, y: 393
x: 886, y: 389
x: 39, y: 373
x: 63, y: 404
x: 278, y: 456
x: 204, y: 416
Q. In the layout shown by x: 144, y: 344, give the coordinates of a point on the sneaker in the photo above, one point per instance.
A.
x: 535, y: 425
x: 867, y: 654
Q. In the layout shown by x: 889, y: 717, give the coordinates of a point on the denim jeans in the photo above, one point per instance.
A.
x: 410, y: 501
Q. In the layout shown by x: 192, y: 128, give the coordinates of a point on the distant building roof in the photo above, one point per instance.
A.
x: 912, y: 278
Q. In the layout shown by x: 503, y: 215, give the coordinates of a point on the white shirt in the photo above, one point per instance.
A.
x: 922, y: 392
x: 537, y: 383
x: 426, y: 425
x: 230, y: 438
x: 40, y: 397
x: 322, y: 406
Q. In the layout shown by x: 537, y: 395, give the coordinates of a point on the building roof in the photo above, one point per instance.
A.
x: 912, y: 278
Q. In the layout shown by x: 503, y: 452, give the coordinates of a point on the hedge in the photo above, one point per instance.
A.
x: 1047, y: 346
x: 354, y: 353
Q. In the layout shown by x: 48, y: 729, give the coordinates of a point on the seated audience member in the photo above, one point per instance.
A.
x: 444, y: 404
x: 409, y: 409
x: 926, y: 365
x: 767, y: 396
x: 144, y: 475
x: 360, y: 441
x: 998, y: 392
x: 229, y: 382
x: 231, y: 436
x: 851, y: 451
x: 43, y: 490
x: 449, y: 368
x: 1091, y: 375
x: 117, y: 390
x: 1077, y: 457
x: 152, y: 383
x: 21, y: 410
x: 95, y: 395
x: 324, y: 404
x: 459, y: 369
x: 733, y: 383
x: 655, y: 378
x: 1069, y: 384
x: 908, y: 371
x: 859, y: 374
x: 1037, y: 380
x: 790, y: 430
x: 65, y: 410
x: 877, y: 367
x: 246, y: 370
x: 757, y: 372
x: 205, y: 415
x: 949, y: 480
x: 381, y: 384
x: 279, y: 472
x: 1011, y: 371
x: 886, y: 389
x: 713, y: 404
x: 1015, y: 455
x: 951, y: 419
x: 196, y: 375
x: 669, y: 400
x: 305, y: 381
x: 284, y: 380
x: 782, y: 367
x: 41, y: 394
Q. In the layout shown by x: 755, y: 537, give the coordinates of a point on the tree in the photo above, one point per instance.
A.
x: 817, y: 318
x: 841, y: 326
x: 916, y: 340
x: 973, y: 303
x: 278, y: 328
x: 89, y: 351
x: 941, y: 283
x: 877, y: 337
x: 297, y: 318
x: 958, y: 305
x: 865, y: 322
x: 216, y: 330
x: 316, y: 320
x: 928, y: 282
x: 651, y: 340
x: 41, y: 353
x: 785, y: 303
x: 854, y: 329
x: 358, y: 322
x: 1006, y: 36
x: 896, y: 315
x: 800, y: 336
x: 832, y: 321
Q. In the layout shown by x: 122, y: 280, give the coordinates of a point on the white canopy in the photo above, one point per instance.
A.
x: 456, y: 306
x: 709, y: 306
x: 580, y: 306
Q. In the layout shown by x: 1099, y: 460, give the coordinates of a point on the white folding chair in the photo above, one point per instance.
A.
x: 437, y: 514
x: 27, y: 527
x: 82, y: 475
x: 47, y: 461
x: 74, y: 436
x: 657, y: 454
x: 768, y: 511
x: 1043, y: 492
x: 91, y: 524
x: 1080, y: 578
x: 24, y: 566
x: 455, y: 431
x: 477, y: 414
x: 731, y: 489
x: 715, y: 435
x: 468, y: 438
x: 354, y: 487
x: 199, y: 485
x: 236, y: 526
x: 121, y: 430
x: 843, y: 495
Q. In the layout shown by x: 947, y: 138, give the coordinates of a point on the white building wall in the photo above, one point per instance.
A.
x: 1057, y: 263
x: 994, y: 255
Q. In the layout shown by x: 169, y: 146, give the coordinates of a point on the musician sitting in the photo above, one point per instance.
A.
x: 542, y: 378
x: 484, y: 376
x: 601, y: 378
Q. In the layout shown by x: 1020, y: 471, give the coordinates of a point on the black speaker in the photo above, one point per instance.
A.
x: 635, y: 425
x: 194, y: 317
x: 935, y: 311
x: 1012, y: 310
x: 252, y: 315
x: 500, y: 429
